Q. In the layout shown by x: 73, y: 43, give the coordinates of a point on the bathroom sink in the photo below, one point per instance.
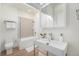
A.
x: 58, y: 48
x: 58, y: 44
x: 44, y: 41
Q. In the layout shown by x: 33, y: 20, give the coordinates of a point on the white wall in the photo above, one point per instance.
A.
x: 10, y: 12
x: 71, y: 31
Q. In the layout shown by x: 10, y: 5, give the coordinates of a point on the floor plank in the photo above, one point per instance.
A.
x: 23, y: 52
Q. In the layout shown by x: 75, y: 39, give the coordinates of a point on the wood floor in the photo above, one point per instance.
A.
x: 17, y: 52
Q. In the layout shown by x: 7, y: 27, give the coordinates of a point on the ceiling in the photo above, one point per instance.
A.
x: 25, y: 7
x: 38, y: 6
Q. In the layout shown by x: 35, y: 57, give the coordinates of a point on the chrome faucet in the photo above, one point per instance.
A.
x: 50, y: 34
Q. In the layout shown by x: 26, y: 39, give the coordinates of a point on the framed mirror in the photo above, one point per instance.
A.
x: 53, y: 15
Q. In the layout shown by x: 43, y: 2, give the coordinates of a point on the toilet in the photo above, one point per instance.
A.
x: 9, y: 48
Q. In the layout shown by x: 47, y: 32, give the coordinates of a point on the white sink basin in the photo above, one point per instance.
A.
x: 44, y: 41
x: 58, y: 44
x: 58, y: 48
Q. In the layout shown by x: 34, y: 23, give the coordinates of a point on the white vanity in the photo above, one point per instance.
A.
x: 54, y: 47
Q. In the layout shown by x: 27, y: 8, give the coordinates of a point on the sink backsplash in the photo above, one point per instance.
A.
x: 52, y: 36
x: 57, y: 36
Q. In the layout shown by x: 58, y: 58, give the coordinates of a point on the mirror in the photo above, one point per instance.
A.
x: 53, y: 15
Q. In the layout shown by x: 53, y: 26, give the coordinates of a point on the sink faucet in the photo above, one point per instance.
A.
x: 50, y: 34
x: 49, y: 37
